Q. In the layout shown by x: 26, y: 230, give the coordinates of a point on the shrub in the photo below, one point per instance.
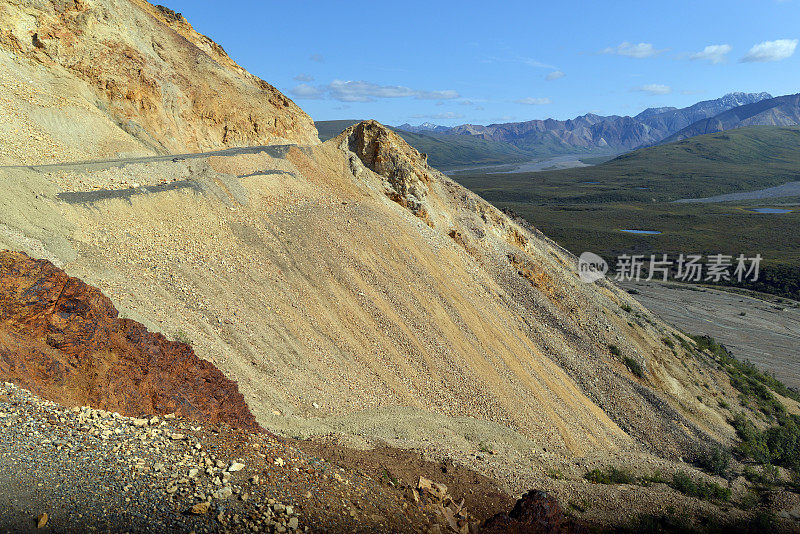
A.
x: 717, y: 462
x: 626, y: 308
x: 610, y: 475
x: 633, y: 366
x: 699, y: 489
x: 668, y: 342
x: 778, y: 444
x: 613, y: 349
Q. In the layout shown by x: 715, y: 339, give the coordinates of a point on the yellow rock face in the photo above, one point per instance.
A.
x: 106, y: 78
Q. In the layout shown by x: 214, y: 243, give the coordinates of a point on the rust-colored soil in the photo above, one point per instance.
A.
x: 401, y: 468
x: 63, y: 340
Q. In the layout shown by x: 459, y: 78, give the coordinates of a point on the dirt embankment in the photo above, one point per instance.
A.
x: 64, y: 340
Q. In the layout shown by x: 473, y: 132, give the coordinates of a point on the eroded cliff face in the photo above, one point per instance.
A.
x: 63, y: 340
x: 87, y: 79
x: 407, y: 177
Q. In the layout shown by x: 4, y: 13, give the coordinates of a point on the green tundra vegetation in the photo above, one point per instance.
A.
x: 585, y: 209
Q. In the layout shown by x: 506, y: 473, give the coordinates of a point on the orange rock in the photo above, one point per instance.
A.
x: 63, y: 340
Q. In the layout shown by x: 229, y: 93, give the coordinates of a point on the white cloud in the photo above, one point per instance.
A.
x: 531, y: 101
x: 519, y: 59
x: 770, y: 51
x: 713, y: 53
x: 304, y: 78
x: 440, y: 116
x: 437, y: 95
x: 361, y: 91
x: 307, y: 91
x: 638, y: 51
x: 654, y: 89
x: 317, y: 58
x: 555, y: 75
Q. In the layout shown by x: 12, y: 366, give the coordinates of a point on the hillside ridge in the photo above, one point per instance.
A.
x: 93, y: 79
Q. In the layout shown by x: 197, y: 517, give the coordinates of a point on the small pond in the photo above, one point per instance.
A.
x: 770, y: 210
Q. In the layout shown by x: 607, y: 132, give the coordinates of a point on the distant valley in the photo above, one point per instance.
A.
x: 585, y: 208
x: 587, y: 136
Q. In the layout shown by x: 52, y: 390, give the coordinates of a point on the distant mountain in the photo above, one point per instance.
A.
x: 615, y: 132
x: 425, y: 127
x: 473, y: 144
x: 780, y: 111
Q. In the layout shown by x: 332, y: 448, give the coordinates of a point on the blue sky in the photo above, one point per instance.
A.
x: 454, y: 62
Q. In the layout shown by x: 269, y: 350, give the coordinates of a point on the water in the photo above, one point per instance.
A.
x: 791, y: 189
x: 770, y: 210
x: 555, y: 163
x: 647, y: 232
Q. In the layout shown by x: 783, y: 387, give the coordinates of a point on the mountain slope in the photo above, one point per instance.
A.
x: 101, y: 78
x: 780, y: 111
x: 351, y: 288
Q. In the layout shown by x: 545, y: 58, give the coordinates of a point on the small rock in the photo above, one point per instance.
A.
x: 200, y: 508
x: 41, y: 520
x: 235, y: 466
x: 177, y: 436
x: 293, y: 523
x: 224, y: 493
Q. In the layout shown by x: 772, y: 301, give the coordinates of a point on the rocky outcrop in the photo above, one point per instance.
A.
x: 405, y: 171
x: 535, y: 513
x: 138, y: 76
x: 63, y: 340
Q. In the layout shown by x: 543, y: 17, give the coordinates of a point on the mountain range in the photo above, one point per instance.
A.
x: 780, y: 111
x: 620, y: 133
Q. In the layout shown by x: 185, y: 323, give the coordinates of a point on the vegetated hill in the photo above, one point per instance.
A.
x: 447, y: 151
x: 738, y: 160
x: 780, y: 111
x: 612, y: 132
x: 585, y: 208
x: 100, y: 78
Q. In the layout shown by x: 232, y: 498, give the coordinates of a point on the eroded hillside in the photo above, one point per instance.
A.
x: 354, y: 293
x: 350, y: 288
x: 89, y: 79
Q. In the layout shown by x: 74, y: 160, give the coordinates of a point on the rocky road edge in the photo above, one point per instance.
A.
x: 83, y: 469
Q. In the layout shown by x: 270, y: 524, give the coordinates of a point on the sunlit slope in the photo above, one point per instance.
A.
x: 331, y: 292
